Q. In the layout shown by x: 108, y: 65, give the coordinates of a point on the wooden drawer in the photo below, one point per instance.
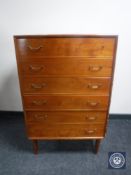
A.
x: 65, y: 102
x: 50, y: 85
x: 71, y: 117
x: 97, y: 68
x: 39, y: 47
x: 67, y: 131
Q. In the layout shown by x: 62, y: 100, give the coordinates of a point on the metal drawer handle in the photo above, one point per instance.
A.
x: 39, y: 103
x: 37, y: 116
x: 90, y: 118
x: 36, y: 68
x: 94, y: 86
x: 90, y: 131
x: 95, y: 68
x: 38, y: 86
x: 34, y: 48
x: 93, y: 104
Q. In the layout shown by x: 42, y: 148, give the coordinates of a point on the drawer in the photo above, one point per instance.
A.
x: 67, y: 131
x: 40, y: 47
x: 71, y: 117
x: 97, y: 68
x: 52, y: 85
x: 65, y: 102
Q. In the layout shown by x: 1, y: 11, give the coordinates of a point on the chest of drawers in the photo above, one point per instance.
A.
x: 65, y: 83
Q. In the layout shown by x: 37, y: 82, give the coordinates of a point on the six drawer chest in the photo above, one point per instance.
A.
x: 65, y: 83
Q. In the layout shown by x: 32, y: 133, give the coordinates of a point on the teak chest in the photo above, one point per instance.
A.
x: 65, y: 83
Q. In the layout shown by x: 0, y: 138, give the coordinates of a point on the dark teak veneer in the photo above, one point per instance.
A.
x: 66, y: 84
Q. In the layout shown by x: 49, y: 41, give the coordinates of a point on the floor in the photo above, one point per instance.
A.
x: 61, y: 157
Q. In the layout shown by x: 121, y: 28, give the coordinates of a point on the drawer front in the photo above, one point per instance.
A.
x: 66, y: 117
x: 61, y: 102
x: 65, y: 131
x: 66, y: 85
x: 98, y: 68
x: 39, y: 47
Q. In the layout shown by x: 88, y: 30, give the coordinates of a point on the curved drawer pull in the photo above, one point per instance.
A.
x: 95, y: 68
x: 38, y: 86
x: 91, y: 118
x: 92, y: 131
x: 37, y: 116
x: 93, y: 104
x: 39, y: 103
x: 34, y: 48
x: 94, y: 86
x: 36, y: 68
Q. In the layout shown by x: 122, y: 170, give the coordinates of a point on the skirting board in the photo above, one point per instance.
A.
x: 20, y: 114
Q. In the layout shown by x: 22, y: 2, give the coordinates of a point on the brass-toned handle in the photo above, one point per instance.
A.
x: 39, y: 103
x: 95, y: 68
x: 94, y: 86
x: 38, y: 86
x: 41, y: 116
x: 36, y: 68
x: 34, y: 48
x: 92, y: 131
x: 93, y: 104
x: 90, y: 118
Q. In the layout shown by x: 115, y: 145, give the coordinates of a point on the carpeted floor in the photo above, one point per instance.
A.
x: 60, y: 157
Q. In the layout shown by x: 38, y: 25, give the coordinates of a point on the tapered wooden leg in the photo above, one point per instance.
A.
x: 35, y: 146
x: 97, y: 145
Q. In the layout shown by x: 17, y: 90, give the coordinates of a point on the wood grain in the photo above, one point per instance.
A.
x: 66, y: 85
x: 70, y: 117
x: 89, y: 68
x: 65, y: 102
x: 65, y: 131
x: 32, y: 47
